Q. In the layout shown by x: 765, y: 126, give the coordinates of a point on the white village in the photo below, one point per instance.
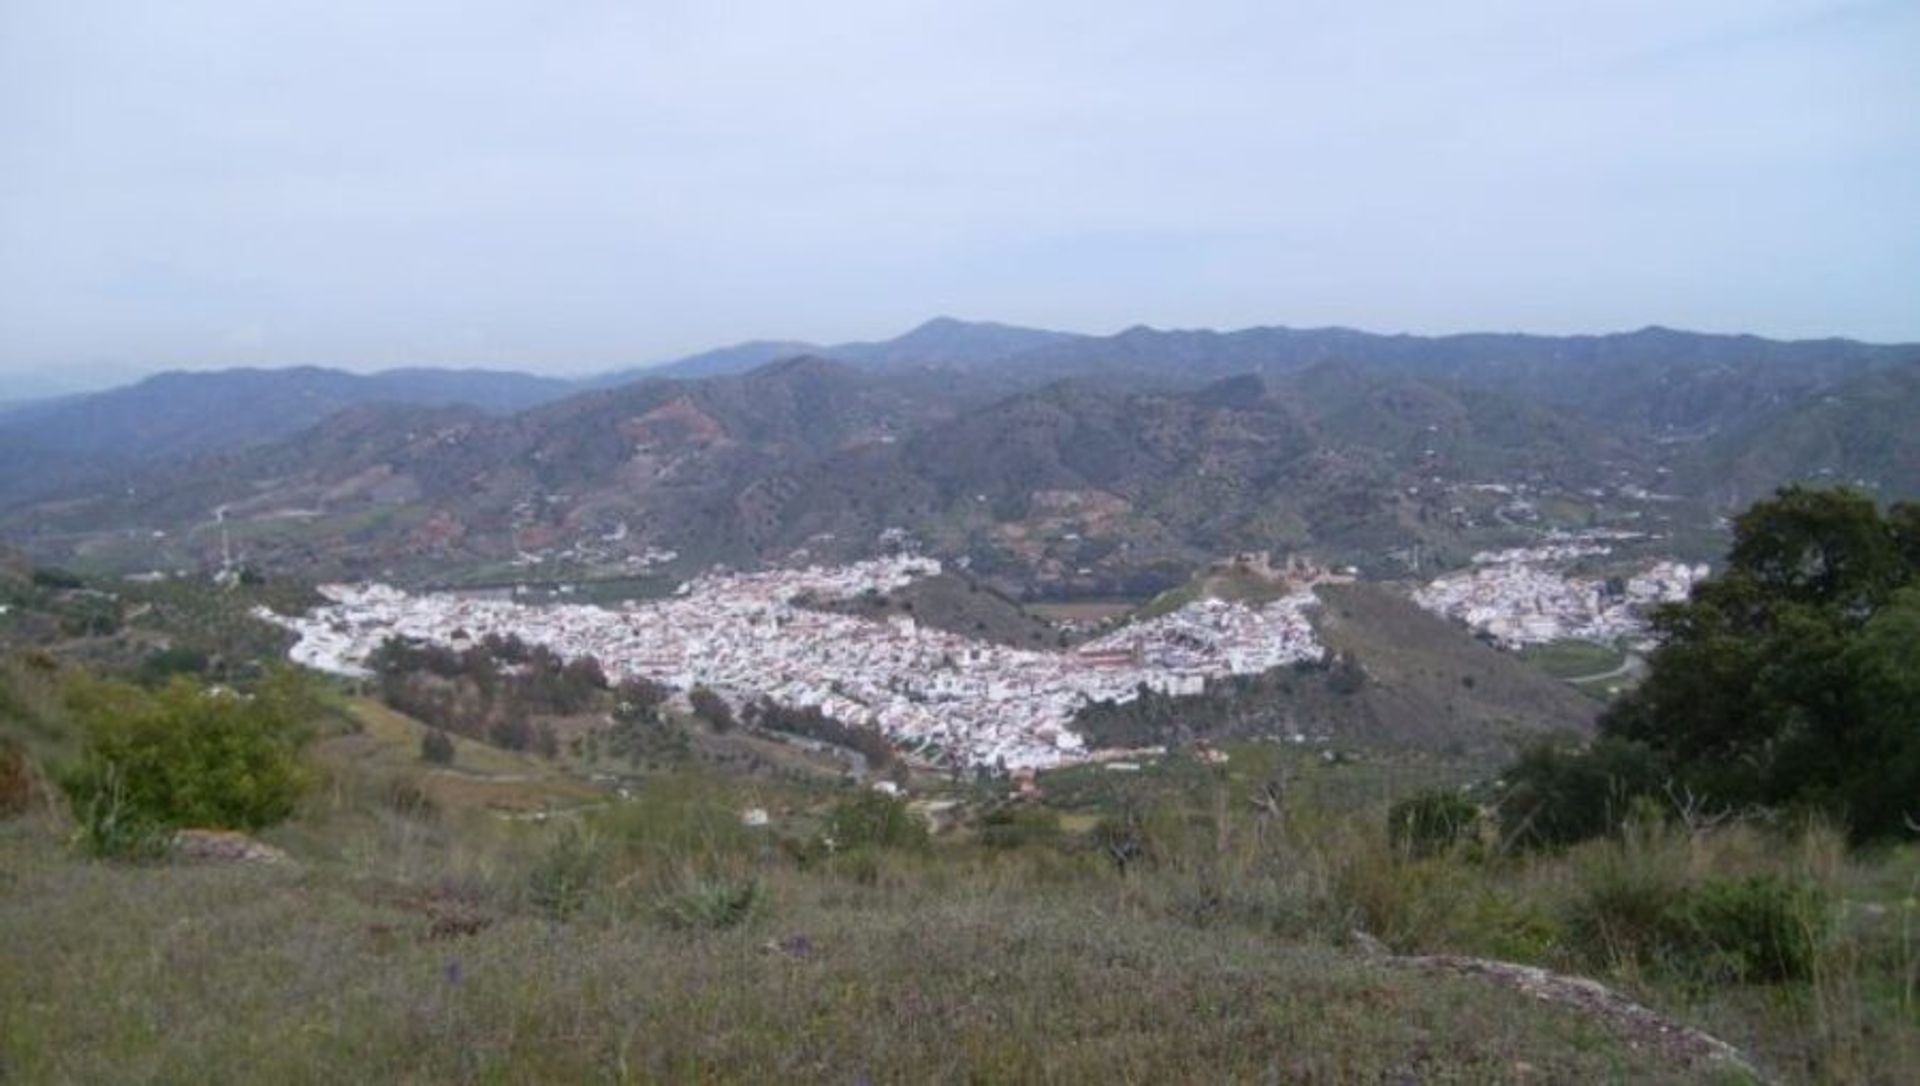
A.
x: 1525, y: 595
x: 935, y: 693
x: 943, y: 696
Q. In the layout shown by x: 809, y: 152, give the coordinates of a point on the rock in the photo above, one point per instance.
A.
x: 798, y: 947
x: 225, y: 847
x: 1367, y: 945
x: 1637, y: 1024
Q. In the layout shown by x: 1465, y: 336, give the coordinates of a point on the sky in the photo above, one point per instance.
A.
x: 576, y: 186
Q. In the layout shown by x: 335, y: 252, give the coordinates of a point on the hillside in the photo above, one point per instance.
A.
x: 942, y: 342
x: 81, y: 440
x: 1860, y: 433
x: 1073, y: 488
x: 957, y: 605
x: 488, y: 915
x: 1652, y: 379
x: 1400, y: 679
x: 1060, y: 467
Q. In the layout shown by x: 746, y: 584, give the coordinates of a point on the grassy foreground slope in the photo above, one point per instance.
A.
x: 248, y: 974
x: 509, y: 917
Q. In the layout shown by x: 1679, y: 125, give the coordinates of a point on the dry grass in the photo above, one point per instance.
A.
x: 236, y: 974
x: 657, y: 938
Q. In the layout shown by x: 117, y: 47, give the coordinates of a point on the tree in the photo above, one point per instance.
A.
x: 638, y: 698
x: 1789, y: 679
x: 511, y: 731
x: 712, y: 708
x: 436, y: 747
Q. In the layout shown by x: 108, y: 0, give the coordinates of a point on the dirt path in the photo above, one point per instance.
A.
x: 1639, y: 1025
x: 1632, y: 665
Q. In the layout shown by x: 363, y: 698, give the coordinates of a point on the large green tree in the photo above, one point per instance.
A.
x: 1792, y: 678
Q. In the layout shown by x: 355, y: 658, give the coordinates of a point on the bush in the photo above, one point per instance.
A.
x: 1122, y: 838
x: 1763, y: 928
x: 49, y: 577
x: 405, y: 797
x: 874, y: 820
x: 1013, y: 826
x: 510, y: 733
x: 436, y: 747
x: 560, y: 883
x: 113, y: 826
x: 16, y: 780
x: 709, y: 902
x: 163, y: 664
x: 1623, y: 913
x: 1432, y: 823
x: 1760, y: 929
x: 187, y: 755
x: 1557, y: 797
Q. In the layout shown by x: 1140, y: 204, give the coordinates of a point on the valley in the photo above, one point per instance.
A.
x: 787, y: 543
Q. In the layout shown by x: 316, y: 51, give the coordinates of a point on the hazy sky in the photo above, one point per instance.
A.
x: 569, y: 186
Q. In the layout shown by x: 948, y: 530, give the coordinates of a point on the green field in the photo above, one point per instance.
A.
x: 1574, y: 659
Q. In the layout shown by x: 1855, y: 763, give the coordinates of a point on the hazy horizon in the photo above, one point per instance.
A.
x: 23, y: 386
x: 576, y: 188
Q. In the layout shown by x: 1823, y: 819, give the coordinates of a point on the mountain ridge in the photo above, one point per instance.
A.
x: 1060, y: 468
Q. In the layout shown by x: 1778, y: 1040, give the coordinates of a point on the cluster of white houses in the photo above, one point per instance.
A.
x: 945, y: 696
x: 1525, y: 596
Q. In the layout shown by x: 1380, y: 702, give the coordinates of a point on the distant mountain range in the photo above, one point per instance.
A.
x: 1056, y: 463
x: 55, y: 445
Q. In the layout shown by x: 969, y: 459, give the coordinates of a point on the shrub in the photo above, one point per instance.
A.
x: 677, y: 821
x: 1623, y: 912
x: 163, y: 664
x: 1122, y: 838
x: 1432, y: 823
x: 860, y: 866
x: 1558, y: 797
x: 16, y: 780
x: 1762, y: 928
x: 49, y: 577
x: 709, y: 902
x: 404, y: 796
x: 561, y: 881
x: 187, y: 755
x: 112, y: 826
x: 436, y: 747
x: 874, y: 820
x: 1014, y: 826
x: 510, y: 733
